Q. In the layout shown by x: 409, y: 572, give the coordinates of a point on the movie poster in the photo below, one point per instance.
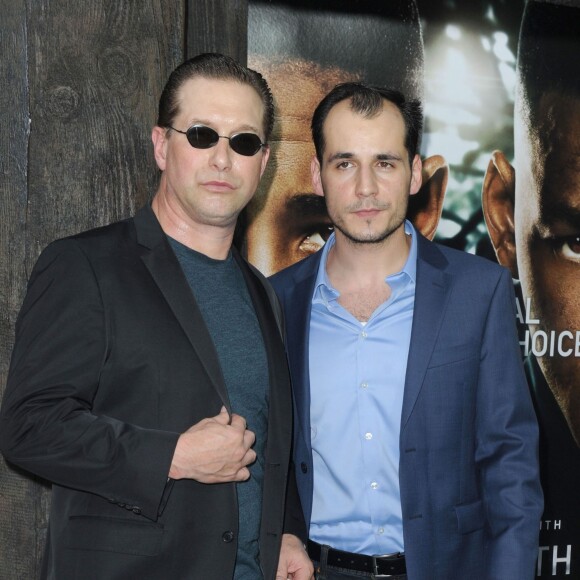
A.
x: 501, y: 148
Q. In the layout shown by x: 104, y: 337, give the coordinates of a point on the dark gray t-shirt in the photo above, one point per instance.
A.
x: 223, y: 298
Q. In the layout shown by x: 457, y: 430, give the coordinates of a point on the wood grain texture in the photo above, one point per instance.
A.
x: 17, y: 494
x: 96, y: 71
x: 218, y: 26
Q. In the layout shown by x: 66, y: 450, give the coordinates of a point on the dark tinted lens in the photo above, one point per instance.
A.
x: 246, y: 143
x: 202, y: 137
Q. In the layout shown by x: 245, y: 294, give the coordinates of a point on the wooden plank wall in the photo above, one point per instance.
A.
x: 17, y: 495
x: 79, y: 86
x: 220, y: 26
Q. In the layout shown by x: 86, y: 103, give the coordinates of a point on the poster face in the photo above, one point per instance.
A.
x: 501, y: 91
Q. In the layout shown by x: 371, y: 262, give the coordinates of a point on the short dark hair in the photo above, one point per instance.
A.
x: 368, y: 102
x: 217, y: 66
x: 547, y: 53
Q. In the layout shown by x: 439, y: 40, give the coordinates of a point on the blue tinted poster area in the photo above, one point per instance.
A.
x: 500, y: 82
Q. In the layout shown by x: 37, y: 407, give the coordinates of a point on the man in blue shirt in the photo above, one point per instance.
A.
x: 415, y: 438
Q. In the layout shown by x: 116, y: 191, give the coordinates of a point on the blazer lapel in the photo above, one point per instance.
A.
x: 431, y: 295
x: 298, y: 330
x: 165, y: 270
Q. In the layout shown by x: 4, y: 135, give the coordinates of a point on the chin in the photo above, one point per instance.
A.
x: 366, y: 237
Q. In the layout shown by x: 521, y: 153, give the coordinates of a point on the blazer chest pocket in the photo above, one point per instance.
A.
x: 470, y: 517
x: 108, y: 534
x: 452, y: 355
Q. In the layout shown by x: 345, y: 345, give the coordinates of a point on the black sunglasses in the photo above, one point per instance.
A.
x: 202, y: 137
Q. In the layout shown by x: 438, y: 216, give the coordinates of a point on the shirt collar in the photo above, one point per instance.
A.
x: 325, y: 292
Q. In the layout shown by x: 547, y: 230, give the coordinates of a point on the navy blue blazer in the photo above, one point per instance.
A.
x: 470, y: 490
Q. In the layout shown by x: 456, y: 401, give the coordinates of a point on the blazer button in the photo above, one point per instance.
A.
x: 304, y: 467
x: 228, y: 536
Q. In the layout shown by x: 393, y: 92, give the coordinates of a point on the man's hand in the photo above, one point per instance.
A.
x: 214, y: 450
x: 294, y: 562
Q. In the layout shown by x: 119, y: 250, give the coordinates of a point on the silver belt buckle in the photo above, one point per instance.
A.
x: 375, y: 572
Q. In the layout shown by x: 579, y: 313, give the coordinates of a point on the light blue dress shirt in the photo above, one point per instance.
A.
x: 357, y: 377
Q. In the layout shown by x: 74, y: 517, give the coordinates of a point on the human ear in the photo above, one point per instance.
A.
x: 265, y: 157
x: 315, y: 173
x: 426, y: 204
x: 159, y: 138
x: 498, y: 202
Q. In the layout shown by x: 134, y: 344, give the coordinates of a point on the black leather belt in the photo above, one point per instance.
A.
x: 380, y: 566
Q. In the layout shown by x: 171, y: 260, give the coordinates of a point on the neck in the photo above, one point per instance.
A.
x: 215, y: 242
x: 365, y: 263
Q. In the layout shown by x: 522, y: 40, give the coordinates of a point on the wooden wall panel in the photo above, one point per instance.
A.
x: 218, y: 26
x: 17, y: 494
x: 96, y: 70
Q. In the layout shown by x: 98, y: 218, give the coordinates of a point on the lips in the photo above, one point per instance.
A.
x: 216, y: 185
x: 367, y: 208
x: 367, y: 213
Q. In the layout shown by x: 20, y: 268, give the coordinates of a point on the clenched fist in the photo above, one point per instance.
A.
x: 215, y: 450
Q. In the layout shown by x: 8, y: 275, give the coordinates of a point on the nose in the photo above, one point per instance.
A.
x: 221, y: 155
x: 366, y: 182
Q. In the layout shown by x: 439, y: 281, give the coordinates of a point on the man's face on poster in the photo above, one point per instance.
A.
x: 287, y: 221
x: 547, y: 233
x: 533, y: 216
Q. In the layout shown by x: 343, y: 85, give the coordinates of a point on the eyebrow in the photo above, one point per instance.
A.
x: 378, y: 157
x: 559, y: 211
x: 240, y: 129
x: 307, y: 205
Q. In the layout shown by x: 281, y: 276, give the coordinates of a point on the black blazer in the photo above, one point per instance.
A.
x: 112, y: 361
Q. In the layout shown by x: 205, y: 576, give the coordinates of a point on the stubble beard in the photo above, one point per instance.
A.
x: 370, y: 237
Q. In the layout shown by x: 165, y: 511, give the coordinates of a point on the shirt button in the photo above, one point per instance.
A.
x: 381, y: 530
x: 228, y: 536
x: 374, y: 485
x: 363, y: 334
x: 368, y: 436
x: 364, y: 385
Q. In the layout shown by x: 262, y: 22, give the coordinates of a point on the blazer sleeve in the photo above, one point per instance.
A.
x: 507, y: 444
x: 294, y: 517
x: 47, y: 423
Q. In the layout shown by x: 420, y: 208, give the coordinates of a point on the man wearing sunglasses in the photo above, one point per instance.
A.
x: 149, y: 382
